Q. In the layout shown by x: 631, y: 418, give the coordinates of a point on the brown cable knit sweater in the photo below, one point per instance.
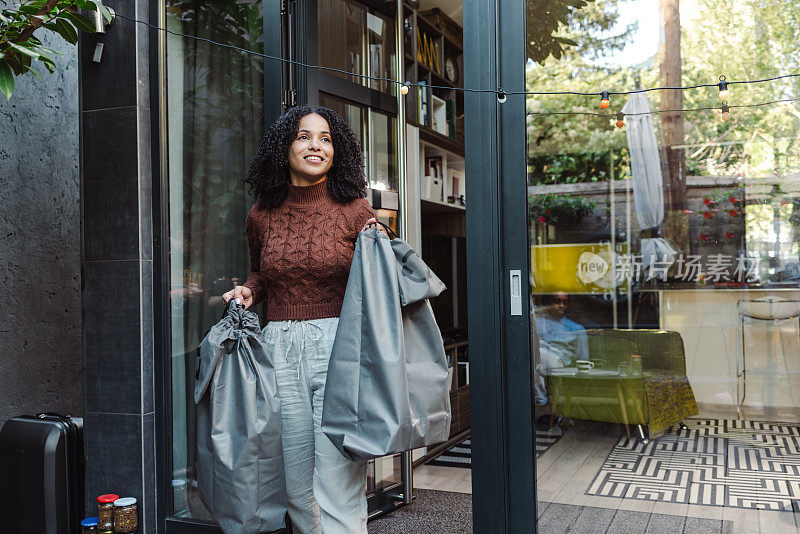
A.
x: 301, y: 252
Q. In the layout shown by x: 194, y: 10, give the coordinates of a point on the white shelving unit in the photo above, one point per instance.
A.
x: 452, y: 178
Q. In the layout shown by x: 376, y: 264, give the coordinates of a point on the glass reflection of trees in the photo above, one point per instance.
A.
x: 215, y: 114
x: 578, y: 45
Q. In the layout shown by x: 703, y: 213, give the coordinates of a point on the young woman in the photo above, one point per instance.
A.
x: 308, y: 181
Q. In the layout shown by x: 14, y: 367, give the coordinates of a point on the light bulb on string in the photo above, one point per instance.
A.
x: 404, y: 88
x: 620, y: 119
x: 501, y: 95
x: 605, y: 99
x: 723, y: 88
x: 726, y: 112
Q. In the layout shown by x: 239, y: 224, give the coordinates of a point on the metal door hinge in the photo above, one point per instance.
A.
x: 289, y: 98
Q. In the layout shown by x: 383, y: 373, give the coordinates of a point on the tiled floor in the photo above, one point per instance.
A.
x: 566, y: 471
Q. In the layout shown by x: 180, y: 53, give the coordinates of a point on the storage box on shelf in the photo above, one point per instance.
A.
x: 442, y: 185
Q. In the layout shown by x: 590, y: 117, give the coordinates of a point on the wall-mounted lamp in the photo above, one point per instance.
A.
x: 100, y: 24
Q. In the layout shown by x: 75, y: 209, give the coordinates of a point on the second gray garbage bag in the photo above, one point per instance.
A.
x: 239, y: 456
x: 386, y: 390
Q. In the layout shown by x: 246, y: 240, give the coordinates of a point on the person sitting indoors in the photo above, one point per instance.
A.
x: 561, y: 341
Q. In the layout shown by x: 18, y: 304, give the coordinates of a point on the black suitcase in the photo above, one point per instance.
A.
x: 42, y: 474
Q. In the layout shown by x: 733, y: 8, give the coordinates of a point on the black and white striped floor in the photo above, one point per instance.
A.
x: 461, y: 455
x: 717, y: 462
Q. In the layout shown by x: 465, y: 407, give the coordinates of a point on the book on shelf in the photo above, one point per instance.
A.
x: 424, y: 105
x: 451, y: 118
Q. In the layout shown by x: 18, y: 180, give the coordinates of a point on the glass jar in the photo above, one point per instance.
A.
x: 636, y: 365
x: 105, y: 511
x: 180, y: 497
x: 126, y: 516
x: 89, y: 525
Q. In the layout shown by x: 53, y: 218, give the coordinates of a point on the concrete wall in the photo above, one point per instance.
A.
x: 40, y: 283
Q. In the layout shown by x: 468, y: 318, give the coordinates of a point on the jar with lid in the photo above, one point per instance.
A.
x: 89, y: 525
x: 105, y: 511
x: 126, y: 516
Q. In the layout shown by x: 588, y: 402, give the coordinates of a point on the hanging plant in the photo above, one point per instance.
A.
x: 553, y: 209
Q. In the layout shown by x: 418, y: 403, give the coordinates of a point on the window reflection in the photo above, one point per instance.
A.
x: 354, y: 39
x: 667, y: 236
x: 215, y: 122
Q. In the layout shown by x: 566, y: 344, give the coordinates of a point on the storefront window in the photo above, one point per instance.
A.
x: 358, y: 41
x: 215, y: 114
x: 665, y: 263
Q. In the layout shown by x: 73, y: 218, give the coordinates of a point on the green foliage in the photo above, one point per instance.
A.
x: 19, y: 48
x: 594, y: 27
x: 745, y: 40
x: 558, y: 209
x: 581, y: 167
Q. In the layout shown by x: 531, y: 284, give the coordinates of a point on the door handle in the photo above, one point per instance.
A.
x: 515, y: 288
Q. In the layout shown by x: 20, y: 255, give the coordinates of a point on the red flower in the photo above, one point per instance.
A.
x: 686, y: 212
x: 733, y: 213
x: 541, y: 219
x: 728, y: 235
x: 707, y: 201
x: 733, y: 200
x: 703, y: 237
x: 707, y: 214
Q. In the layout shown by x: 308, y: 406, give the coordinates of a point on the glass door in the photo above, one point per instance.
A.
x: 663, y: 242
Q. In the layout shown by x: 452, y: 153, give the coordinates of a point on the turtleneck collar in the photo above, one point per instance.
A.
x: 308, y: 194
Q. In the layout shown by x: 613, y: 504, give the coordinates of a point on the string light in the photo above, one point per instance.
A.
x: 620, y: 119
x: 404, y: 88
x: 605, y: 99
x: 723, y: 88
x: 659, y: 112
x: 501, y: 95
x: 726, y: 112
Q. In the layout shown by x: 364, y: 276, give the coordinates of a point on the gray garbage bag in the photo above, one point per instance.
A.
x: 239, y: 456
x: 386, y: 390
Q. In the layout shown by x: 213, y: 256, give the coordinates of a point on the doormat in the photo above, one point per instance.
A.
x: 460, y: 455
x: 713, y: 462
x: 436, y: 512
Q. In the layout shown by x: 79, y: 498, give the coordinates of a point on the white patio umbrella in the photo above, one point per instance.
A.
x: 648, y: 194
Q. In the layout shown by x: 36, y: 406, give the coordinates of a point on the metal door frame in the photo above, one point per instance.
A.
x: 503, y: 475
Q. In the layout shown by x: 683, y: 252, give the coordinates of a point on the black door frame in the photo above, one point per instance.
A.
x: 503, y: 475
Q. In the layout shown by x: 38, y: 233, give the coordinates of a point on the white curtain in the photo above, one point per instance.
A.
x: 648, y: 194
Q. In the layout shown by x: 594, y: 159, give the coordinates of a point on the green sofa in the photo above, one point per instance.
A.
x: 656, y: 397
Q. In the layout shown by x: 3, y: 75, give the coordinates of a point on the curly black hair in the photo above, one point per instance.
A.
x: 268, y: 174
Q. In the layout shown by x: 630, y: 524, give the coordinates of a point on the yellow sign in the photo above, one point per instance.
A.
x: 573, y: 268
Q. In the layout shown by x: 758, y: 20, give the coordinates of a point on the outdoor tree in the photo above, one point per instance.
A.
x: 574, y: 148
x: 19, y: 47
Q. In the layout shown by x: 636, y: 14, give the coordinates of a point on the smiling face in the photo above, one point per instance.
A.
x: 311, y: 152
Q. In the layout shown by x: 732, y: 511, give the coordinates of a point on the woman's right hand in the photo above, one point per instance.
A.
x: 242, y: 294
